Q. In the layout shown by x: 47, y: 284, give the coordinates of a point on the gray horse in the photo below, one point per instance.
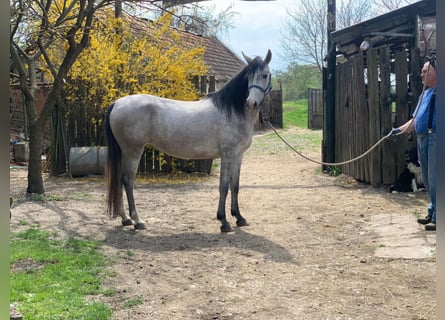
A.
x: 218, y: 126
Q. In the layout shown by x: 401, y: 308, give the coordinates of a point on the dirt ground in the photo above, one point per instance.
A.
x: 318, y: 246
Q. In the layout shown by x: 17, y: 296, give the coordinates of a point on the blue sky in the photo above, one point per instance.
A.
x: 257, y: 27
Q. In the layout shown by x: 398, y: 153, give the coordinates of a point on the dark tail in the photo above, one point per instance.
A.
x: 113, y: 170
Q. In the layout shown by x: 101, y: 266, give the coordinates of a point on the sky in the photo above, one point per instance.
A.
x: 257, y: 28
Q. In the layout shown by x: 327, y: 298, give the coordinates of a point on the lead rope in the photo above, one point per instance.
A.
x: 353, y: 159
x: 322, y: 162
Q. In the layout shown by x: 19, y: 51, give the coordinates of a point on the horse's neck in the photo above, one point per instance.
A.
x: 253, y: 114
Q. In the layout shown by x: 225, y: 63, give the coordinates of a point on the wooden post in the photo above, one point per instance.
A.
x: 212, y: 84
x: 374, y: 115
x: 328, y: 145
x: 203, y: 88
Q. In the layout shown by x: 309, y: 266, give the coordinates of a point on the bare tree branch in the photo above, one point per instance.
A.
x: 383, y: 6
x: 304, y: 31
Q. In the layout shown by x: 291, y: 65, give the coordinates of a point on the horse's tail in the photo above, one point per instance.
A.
x: 113, y: 170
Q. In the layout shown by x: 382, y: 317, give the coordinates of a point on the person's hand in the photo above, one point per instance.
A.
x: 395, y: 131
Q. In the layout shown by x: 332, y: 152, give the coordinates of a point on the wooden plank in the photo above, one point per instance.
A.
x: 203, y: 87
x: 389, y: 175
x: 212, y: 84
x: 315, y: 108
x: 374, y: 115
x: 277, y: 108
x: 402, y: 110
x: 416, y: 64
x: 364, y: 113
x: 356, y: 133
x: 347, y: 121
x: 339, y: 116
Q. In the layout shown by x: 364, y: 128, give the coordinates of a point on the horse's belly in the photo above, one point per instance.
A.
x: 183, y: 148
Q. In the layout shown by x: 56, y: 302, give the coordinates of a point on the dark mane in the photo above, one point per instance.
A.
x: 233, y: 96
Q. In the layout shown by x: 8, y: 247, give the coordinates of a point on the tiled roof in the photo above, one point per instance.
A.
x: 223, y: 64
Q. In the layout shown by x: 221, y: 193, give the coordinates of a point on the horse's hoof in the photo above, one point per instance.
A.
x: 140, y: 226
x: 226, y: 228
x: 127, y: 222
x: 242, y: 223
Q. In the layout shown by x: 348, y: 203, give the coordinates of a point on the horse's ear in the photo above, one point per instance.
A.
x: 246, y: 58
x: 268, y: 57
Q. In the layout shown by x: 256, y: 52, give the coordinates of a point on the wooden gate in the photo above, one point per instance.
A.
x: 378, y: 95
x: 272, y: 111
x: 315, y: 109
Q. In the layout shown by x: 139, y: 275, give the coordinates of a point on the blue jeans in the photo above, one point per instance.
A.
x: 426, y: 148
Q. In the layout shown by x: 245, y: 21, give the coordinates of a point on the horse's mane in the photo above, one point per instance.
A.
x: 233, y: 96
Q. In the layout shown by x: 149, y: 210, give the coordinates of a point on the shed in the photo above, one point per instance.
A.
x: 377, y: 85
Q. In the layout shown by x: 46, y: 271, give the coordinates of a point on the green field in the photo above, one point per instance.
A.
x: 295, y: 113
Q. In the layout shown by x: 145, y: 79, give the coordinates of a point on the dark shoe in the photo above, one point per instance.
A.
x: 425, y: 220
x: 430, y: 226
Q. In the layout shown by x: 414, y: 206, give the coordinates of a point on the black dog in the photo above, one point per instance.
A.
x: 410, y: 180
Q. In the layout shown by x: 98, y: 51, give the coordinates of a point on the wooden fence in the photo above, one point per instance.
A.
x: 272, y: 111
x: 81, y: 130
x: 373, y: 94
x: 79, y: 125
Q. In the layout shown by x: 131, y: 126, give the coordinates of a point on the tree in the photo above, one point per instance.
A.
x: 297, y: 79
x: 383, y: 6
x: 37, y: 26
x: 144, y: 57
x: 304, y: 32
x: 194, y: 17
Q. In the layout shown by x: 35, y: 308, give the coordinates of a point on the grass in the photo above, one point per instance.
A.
x: 133, y: 302
x: 294, y: 117
x: 295, y: 113
x: 43, y: 197
x: 51, y: 279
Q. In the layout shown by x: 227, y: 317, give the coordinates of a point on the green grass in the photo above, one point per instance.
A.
x: 295, y: 113
x: 133, y: 302
x: 42, y: 197
x: 51, y: 279
x: 294, y: 116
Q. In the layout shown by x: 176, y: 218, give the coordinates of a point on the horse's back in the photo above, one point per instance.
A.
x: 187, y: 129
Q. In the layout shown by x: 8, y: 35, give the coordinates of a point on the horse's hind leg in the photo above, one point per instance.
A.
x: 129, y: 171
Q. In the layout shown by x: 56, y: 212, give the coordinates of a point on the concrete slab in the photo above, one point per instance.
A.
x: 399, y: 236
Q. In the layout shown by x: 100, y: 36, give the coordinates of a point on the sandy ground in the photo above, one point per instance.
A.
x: 318, y: 247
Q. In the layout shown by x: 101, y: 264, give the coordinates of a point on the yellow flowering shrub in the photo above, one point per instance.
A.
x: 128, y: 56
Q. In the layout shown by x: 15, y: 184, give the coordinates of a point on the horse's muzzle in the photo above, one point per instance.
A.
x: 252, y: 103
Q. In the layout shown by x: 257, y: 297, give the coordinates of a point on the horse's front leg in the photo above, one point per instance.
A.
x: 224, y: 180
x: 234, y: 189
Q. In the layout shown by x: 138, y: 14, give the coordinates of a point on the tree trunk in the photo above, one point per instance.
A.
x: 35, y: 179
x: 28, y: 80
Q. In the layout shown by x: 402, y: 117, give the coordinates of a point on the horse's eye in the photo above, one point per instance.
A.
x: 265, y: 76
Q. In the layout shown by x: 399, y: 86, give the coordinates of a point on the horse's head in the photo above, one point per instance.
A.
x: 259, y: 79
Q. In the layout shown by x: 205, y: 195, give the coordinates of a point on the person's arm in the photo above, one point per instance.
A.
x: 407, y: 127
